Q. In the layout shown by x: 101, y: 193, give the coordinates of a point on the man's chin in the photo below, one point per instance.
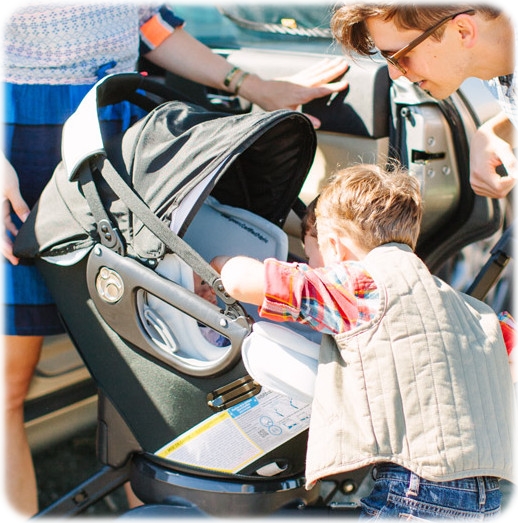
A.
x: 434, y: 93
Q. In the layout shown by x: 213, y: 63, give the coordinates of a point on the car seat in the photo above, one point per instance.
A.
x: 110, y: 236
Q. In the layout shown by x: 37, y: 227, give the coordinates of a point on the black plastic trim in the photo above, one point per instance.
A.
x: 43, y: 405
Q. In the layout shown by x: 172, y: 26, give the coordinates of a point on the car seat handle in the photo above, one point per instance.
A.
x: 82, y: 137
x: 115, y: 283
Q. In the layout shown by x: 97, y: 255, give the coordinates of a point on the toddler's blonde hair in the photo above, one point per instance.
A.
x: 371, y: 206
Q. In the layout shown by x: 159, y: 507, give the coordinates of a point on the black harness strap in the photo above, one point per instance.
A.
x: 501, y: 253
x: 176, y: 244
x: 109, y: 235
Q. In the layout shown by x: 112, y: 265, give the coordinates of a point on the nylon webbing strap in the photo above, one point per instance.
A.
x: 108, y: 234
x: 140, y: 209
x: 501, y: 253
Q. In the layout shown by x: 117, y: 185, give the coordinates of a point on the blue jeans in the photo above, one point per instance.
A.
x: 399, y: 493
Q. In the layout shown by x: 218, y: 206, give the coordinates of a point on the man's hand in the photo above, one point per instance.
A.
x: 489, y: 151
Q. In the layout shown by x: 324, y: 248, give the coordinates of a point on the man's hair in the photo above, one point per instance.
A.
x: 350, y: 30
x: 371, y: 206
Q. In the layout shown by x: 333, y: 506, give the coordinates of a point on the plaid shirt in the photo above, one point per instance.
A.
x: 330, y: 299
x: 504, y: 88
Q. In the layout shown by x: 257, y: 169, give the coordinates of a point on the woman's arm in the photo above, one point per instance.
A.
x: 12, y: 200
x: 186, y: 56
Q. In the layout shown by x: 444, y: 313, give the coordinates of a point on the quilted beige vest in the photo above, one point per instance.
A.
x: 425, y: 385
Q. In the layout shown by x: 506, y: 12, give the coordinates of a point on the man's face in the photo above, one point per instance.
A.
x: 435, y: 65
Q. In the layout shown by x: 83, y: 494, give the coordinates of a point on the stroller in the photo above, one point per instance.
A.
x: 120, y: 230
x: 120, y: 233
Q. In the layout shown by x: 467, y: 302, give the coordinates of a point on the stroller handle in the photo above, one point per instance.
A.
x: 119, y: 309
x: 82, y: 138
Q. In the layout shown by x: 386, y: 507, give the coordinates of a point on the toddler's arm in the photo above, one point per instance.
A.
x: 242, y: 277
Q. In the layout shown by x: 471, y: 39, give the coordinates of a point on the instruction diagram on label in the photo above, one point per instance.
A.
x: 229, y: 440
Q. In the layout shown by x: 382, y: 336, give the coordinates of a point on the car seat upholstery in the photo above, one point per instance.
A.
x: 215, y: 229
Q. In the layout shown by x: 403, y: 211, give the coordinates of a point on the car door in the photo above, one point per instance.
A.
x: 375, y: 120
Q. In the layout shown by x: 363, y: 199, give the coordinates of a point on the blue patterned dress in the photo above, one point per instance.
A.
x: 53, y: 55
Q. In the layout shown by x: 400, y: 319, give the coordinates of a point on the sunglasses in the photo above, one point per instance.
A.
x: 393, y: 59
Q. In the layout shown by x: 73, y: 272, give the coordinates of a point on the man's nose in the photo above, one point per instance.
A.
x: 394, y: 72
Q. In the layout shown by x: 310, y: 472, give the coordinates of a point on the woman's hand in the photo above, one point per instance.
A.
x: 184, y: 55
x: 12, y: 200
x: 293, y: 91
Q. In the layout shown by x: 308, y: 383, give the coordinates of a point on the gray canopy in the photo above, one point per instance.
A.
x: 257, y: 161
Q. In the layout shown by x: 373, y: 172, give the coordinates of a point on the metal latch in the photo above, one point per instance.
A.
x: 424, y: 157
x: 233, y: 393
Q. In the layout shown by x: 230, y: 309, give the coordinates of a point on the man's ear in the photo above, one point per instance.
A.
x: 467, y: 28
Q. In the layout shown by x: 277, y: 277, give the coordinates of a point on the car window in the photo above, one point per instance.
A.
x: 294, y: 26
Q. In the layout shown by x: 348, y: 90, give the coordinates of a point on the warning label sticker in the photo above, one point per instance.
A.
x: 228, y: 441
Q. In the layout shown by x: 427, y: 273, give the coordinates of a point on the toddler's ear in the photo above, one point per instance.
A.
x: 343, y: 249
x: 330, y: 248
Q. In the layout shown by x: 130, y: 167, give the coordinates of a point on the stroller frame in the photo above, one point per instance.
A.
x: 182, y: 489
x: 126, y: 447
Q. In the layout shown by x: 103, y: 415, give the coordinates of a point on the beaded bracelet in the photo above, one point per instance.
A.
x: 240, y: 82
x: 230, y: 76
